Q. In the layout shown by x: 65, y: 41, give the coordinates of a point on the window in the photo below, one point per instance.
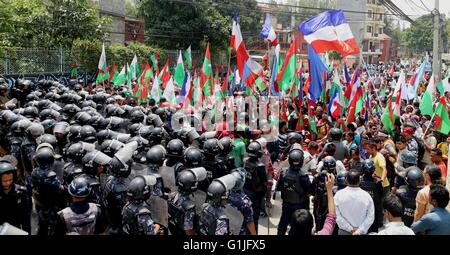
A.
x: 380, y: 30
x: 381, y: 16
x: 369, y: 14
x: 369, y: 29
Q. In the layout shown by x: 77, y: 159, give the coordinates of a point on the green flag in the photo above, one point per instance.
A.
x: 179, y: 71
x: 188, y: 57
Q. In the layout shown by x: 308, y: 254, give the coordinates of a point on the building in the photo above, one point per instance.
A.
x: 367, y: 24
x: 122, y: 28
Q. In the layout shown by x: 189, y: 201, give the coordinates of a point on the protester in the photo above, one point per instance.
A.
x: 393, y: 210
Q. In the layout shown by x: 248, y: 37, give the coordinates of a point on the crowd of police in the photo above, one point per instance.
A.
x: 86, y: 160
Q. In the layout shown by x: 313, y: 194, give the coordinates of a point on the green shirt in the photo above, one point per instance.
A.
x: 238, y: 151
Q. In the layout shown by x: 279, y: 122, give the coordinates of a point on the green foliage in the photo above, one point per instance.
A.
x: 334, y: 55
x: 52, y: 23
x: 418, y: 39
x: 176, y: 25
x: 118, y: 54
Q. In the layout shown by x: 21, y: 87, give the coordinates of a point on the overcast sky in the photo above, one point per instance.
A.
x: 415, y: 7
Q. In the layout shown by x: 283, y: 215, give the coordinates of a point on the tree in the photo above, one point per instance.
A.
x: 51, y: 23
x: 176, y: 25
x: 417, y: 38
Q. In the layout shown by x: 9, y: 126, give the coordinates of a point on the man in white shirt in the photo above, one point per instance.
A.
x: 354, y: 207
x: 393, y: 211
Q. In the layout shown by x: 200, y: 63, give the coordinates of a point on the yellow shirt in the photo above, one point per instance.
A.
x: 444, y: 148
x: 380, y: 162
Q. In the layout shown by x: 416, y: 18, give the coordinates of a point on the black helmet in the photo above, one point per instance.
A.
x: 296, y: 159
x: 137, y: 116
x: 134, y: 128
x: 341, y: 179
x: 193, y: 157
x: 49, y: 123
x: 110, y: 147
x: 35, y: 129
x: 156, y: 155
x: 329, y: 164
x: 408, y: 157
x: 120, y: 164
x: 88, y: 134
x: 175, y: 148
x: 368, y: 167
x: 157, y: 134
x: 104, y: 135
x: 30, y: 112
x: 75, y: 152
x: 187, y: 181
x: 138, y: 189
x: 74, y: 133
x: 79, y: 187
x: 162, y: 113
x: 254, y: 150
x: 335, y: 134
x: 294, y: 137
x: 93, y: 159
x: 145, y: 131
x: 70, y: 109
x: 46, y: 114
x: 6, y: 167
x: 61, y: 127
x: 44, y: 156
x: 82, y: 118
x: 47, y: 138
x: 414, y: 178
x: 211, y: 147
x: 227, y: 144
x: 217, y: 193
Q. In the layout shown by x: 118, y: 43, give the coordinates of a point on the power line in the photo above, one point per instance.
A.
x: 424, y: 5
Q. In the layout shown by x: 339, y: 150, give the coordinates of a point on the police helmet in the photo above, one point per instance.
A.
x: 79, y: 187
x: 44, y: 156
x: 227, y: 144
x: 335, y: 134
x: 35, y: 129
x: 6, y: 167
x: 217, y: 193
x: 254, y: 150
x: 138, y: 189
x: 294, y: 137
x: 74, y: 133
x: 211, y: 146
x: 296, y: 159
x: 329, y: 164
x: 47, y: 138
x: 156, y: 155
x: 368, y: 167
x: 341, y: 179
x: 408, y: 157
x: 175, y: 148
x: 88, y: 134
x: 414, y: 178
x: 137, y: 116
x: 193, y: 157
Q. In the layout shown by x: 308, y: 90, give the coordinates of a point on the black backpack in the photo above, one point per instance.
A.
x: 421, y: 147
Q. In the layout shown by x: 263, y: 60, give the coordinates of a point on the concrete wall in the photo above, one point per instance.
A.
x: 115, y: 9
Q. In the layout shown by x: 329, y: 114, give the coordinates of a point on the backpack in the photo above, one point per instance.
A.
x: 421, y: 147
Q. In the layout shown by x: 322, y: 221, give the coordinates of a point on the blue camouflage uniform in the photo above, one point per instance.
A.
x: 181, y: 216
x: 239, y: 200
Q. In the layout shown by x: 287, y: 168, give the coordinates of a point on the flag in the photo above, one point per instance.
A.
x: 112, y: 73
x: 316, y: 74
x: 120, y: 78
x: 286, y: 76
x: 154, y: 59
x: 330, y: 31
x: 242, y: 56
x: 169, y: 92
x: 134, y: 68
x: 74, y: 71
x: 273, y: 77
x: 185, y: 88
x: 206, y: 74
x: 442, y: 123
x: 426, y: 104
x: 355, y: 95
x: 268, y: 32
x: 102, y: 73
x: 417, y: 78
x: 142, y: 91
x: 155, y: 93
x: 334, y: 107
x: 188, y: 57
x: 392, y: 70
x: 164, y: 75
x: 179, y: 71
x: 386, y: 118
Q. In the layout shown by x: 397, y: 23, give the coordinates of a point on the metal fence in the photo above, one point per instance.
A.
x: 34, y: 61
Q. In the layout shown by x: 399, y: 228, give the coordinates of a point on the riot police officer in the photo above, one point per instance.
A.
x: 295, y: 189
x: 211, y: 149
x: 193, y: 158
x: 94, y: 164
x: 182, y: 207
x: 407, y: 193
x: 213, y: 220
x: 224, y: 157
x: 341, y: 149
x: 136, y: 215
x: 48, y: 191
x: 242, y: 202
x: 256, y: 179
x: 408, y: 160
x: 174, y: 162
x: 81, y: 217
x: 320, y: 201
x: 375, y: 189
x: 115, y: 192
x: 14, y: 200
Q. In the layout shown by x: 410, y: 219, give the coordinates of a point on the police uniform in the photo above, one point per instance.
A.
x: 15, y: 207
x: 213, y: 221
x: 181, y: 214
x: 239, y: 200
x: 255, y: 188
x: 408, y: 197
x: 375, y: 189
x: 82, y: 219
x: 137, y: 219
x: 115, y: 199
x: 295, y: 188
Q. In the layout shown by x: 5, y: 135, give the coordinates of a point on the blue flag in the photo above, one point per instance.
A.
x: 317, y: 69
x: 274, y: 77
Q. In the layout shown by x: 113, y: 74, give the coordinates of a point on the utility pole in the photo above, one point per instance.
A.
x: 437, y: 41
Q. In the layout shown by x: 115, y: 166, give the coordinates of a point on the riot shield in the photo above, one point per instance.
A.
x: 159, y: 210
x: 199, y: 198
x: 235, y: 219
x: 168, y: 175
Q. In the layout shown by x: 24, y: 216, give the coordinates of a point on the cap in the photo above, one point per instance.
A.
x: 408, y: 131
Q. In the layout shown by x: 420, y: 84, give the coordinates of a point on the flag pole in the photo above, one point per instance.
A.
x: 370, y: 77
x: 429, y: 125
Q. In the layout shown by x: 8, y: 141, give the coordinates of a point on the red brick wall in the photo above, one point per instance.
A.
x: 132, y: 25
